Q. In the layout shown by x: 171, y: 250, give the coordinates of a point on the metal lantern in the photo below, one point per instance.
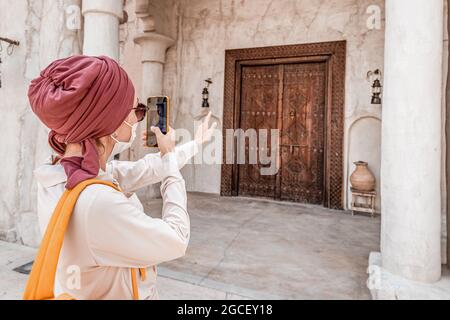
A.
x: 205, y: 94
x: 9, y: 51
x: 376, y: 92
x: 376, y: 85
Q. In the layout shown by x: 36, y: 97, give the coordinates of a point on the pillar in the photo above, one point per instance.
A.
x: 101, y: 27
x: 411, y: 140
x: 153, y: 47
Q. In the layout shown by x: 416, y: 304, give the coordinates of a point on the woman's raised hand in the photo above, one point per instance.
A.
x: 204, y: 133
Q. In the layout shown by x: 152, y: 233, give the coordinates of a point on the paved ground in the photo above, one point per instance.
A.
x: 263, y: 249
x: 246, y: 248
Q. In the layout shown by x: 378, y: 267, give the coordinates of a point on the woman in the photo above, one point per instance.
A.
x: 90, y: 105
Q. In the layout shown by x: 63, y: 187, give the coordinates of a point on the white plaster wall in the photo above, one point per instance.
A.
x: 39, y: 25
x: 444, y: 144
x: 206, y: 28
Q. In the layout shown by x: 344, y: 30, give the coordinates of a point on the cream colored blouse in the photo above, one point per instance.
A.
x: 109, y: 232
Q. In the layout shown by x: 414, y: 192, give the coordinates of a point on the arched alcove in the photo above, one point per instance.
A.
x: 365, y: 145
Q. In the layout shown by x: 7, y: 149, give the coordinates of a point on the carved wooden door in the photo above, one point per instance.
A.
x: 259, y: 101
x: 303, y: 133
x: 291, y: 98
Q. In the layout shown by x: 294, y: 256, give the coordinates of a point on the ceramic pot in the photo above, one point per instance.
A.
x: 362, y: 178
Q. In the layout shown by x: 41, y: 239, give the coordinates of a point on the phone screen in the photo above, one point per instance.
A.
x: 158, y: 115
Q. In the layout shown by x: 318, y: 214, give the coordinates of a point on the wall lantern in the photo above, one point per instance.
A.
x: 375, y: 76
x: 9, y: 51
x: 205, y: 94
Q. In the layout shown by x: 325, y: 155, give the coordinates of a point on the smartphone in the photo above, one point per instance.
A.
x: 158, y: 116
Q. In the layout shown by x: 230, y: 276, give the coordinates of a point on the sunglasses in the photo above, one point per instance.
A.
x: 141, y: 111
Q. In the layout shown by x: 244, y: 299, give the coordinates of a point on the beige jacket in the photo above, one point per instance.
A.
x: 109, y: 233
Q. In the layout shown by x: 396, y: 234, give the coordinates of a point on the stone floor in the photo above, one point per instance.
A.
x: 252, y: 249
x: 266, y: 249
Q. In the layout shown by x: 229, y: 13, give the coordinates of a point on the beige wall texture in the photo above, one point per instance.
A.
x: 41, y: 28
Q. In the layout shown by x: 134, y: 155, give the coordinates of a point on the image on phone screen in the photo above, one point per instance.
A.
x: 158, y: 114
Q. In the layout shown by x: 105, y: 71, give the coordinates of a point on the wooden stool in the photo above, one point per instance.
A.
x: 368, y: 203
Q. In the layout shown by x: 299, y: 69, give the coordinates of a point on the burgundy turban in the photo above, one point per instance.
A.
x: 80, y: 99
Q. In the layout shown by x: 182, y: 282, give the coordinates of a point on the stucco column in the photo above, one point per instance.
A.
x: 154, y: 47
x: 101, y: 27
x: 411, y: 140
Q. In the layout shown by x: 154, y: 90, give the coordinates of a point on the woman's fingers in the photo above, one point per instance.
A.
x: 210, y: 132
x: 166, y: 143
x: 204, y: 132
x: 157, y: 131
x: 206, y: 121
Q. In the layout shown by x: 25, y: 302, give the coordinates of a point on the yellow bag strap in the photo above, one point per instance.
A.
x: 41, y: 281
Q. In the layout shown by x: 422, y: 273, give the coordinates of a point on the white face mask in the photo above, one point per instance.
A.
x: 121, y: 146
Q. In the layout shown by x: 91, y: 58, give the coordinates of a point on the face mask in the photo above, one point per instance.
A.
x: 121, y: 146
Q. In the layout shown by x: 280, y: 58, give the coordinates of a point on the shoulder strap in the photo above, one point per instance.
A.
x: 42, y: 277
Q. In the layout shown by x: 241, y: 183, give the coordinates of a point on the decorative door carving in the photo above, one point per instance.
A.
x: 301, y: 115
x: 303, y: 133
x: 304, y: 85
x: 259, y: 96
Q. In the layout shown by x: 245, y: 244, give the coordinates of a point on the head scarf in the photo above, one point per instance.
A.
x: 81, y: 98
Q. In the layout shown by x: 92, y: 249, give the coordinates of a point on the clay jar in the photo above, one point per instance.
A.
x: 362, y: 178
